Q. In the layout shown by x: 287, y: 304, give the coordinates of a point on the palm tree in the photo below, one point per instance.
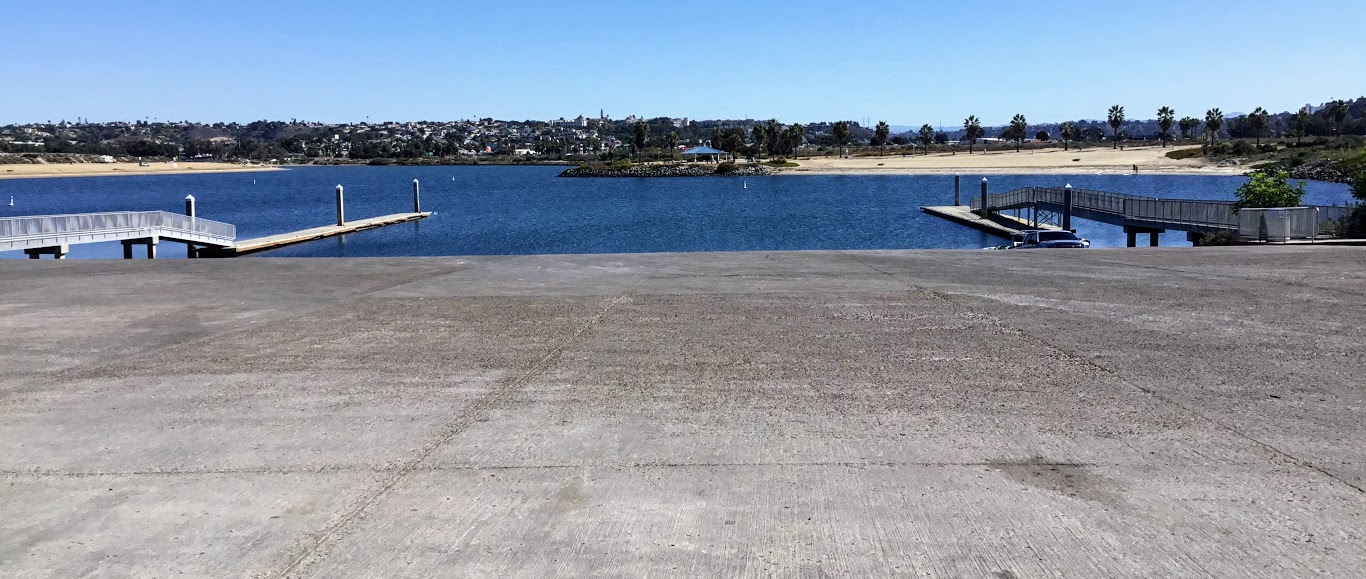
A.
x: 1165, y: 117
x: 1214, y: 119
x: 1300, y: 123
x: 642, y: 135
x: 672, y: 141
x: 798, y: 132
x: 1187, y: 125
x: 972, y: 129
x: 774, y: 132
x: 760, y: 137
x: 1337, y: 114
x: 880, y: 135
x: 841, y: 134
x: 1116, y: 118
x: 1258, y: 121
x: 1066, y: 132
x: 1018, y: 128
x: 926, y: 137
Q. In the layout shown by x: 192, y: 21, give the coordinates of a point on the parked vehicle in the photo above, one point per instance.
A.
x: 1049, y: 239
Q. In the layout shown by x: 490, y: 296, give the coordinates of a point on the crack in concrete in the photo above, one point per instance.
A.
x: 1067, y: 356
x: 1203, y: 275
x: 601, y: 465
x: 476, y: 411
x: 78, y: 371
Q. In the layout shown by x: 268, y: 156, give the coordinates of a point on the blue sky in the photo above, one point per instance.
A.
x: 907, y: 62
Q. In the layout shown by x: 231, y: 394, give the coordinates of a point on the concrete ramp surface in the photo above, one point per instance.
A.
x: 1125, y: 413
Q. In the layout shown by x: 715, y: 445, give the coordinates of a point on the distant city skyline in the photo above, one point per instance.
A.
x: 898, y: 62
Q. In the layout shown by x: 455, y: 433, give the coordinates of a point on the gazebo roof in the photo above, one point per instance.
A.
x: 703, y: 151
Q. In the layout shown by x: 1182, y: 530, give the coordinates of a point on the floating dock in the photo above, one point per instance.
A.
x: 1003, y: 226
x: 280, y: 240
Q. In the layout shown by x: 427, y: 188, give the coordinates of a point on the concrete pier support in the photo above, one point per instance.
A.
x: 341, y: 207
x: 417, y: 198
x: 150, y: 242
x: 56, y: 251
x: 1132, y: 234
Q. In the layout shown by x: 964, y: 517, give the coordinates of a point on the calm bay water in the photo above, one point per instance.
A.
x: 490, y: 210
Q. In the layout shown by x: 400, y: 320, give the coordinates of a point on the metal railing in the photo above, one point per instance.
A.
x: 113, y: 222
x: 1283, y: 223
x: 1181, y: 213
x: 1151, y: 212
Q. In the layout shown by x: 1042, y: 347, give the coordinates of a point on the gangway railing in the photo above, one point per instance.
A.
x: 21, y: 232
x: 1152, y: 214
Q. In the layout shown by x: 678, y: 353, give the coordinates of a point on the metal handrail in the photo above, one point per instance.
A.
x: 109, y: 222
x: 1191, y: 214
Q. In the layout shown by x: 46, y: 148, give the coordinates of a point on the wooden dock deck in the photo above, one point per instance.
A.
x: 1003, y: 226
x: 280, y: 240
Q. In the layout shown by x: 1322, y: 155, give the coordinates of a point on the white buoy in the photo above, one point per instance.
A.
x: 744, y: 184
x: 11, y: 201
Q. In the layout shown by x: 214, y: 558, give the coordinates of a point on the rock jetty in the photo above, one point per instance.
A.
x: 664, y: 171
x: 1321, y: 171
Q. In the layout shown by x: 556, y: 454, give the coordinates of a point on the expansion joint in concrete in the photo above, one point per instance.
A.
x: 499, y: 394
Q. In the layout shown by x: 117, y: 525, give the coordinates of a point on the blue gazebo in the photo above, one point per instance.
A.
x: 696, y: 152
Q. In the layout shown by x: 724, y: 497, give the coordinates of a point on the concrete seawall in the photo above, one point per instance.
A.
x: 1135, y: 412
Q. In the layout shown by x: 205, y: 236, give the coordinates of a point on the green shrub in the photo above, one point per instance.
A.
x: 380, y: 162
x: 1189, y: 153
x: 1359, y: 185
x: 726, y: 168
x: 1352, y: 225
x: 1214, y: 239
x: 1269, y: 189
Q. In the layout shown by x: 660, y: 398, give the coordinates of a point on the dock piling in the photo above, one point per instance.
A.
x: 984, y: 197
x: 1066, y: 207
x: 189, y: 212
x: 417, y: 198
x: 341, y: 211
x: 957, y: 180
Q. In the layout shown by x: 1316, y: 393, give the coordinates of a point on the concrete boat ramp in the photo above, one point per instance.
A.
x: 1106, y: 413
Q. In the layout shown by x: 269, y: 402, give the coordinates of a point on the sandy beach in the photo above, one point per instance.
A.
x: 1042, y: 161
x: 105, y: 169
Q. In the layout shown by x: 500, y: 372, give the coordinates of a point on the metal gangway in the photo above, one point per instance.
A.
x: 1151, y: 215
x: 53, y: 234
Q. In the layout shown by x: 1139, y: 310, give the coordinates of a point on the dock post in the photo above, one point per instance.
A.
x: 417, y: 198
x: 189, y: 212
x: 1067, y: 207
x: 956, y: 180
x: 984, y: 197
x: 341, y: 211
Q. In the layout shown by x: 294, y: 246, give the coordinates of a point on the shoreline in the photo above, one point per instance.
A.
x: 1088, y: 170
x: 1047, y: 161
x: 58, y: 170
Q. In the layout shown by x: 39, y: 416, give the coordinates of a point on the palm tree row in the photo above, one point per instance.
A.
x: 1336, y: 113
